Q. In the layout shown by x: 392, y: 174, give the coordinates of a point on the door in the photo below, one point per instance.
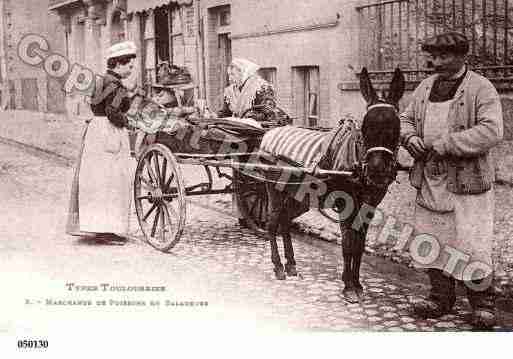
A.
x: 305, y: 84
x: 225, y: 57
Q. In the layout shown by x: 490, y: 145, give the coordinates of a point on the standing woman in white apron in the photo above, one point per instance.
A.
x: 100, y: 195
x: 452, y: 122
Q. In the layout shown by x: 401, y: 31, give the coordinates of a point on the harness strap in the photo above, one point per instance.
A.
x: 380, y: 105
x: 324, y: 156
x: 376, y: 149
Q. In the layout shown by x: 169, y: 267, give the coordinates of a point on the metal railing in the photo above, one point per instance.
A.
x: 392, y: 32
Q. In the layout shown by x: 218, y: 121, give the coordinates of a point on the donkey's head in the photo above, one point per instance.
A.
x: 380, y: 130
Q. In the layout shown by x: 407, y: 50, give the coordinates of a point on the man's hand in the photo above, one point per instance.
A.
x: 416, y: 147
x: 439, y: 147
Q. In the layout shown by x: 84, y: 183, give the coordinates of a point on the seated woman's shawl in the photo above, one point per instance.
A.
x: 256, y: 99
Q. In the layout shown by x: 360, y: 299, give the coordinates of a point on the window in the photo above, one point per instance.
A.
x: 167, y: 23
x: 117, y: 29
x: 224, y: 17
x: 305, y: 84
x: 268, y: 74
x: 219, y: 50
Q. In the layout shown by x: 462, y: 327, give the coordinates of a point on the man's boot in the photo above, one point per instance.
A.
x: 483, y: 305
x: 441, y: 298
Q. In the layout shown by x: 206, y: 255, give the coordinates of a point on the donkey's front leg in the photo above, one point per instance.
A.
x: 348, y: 253
x: 372, y: 197
x: 359, y: 246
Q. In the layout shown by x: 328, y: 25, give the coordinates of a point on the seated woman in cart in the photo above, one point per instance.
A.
x: 249, y: 95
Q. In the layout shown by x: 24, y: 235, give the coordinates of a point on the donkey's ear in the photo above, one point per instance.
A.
x: 366, y: 87
x: 396, y: 87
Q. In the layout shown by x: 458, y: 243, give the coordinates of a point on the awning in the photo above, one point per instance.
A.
x: 55, y: 4
x: 138, y: 5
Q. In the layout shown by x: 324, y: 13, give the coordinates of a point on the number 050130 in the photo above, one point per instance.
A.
x: 32, y: 344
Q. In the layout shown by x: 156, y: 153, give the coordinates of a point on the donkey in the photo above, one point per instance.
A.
x: 370, y: 152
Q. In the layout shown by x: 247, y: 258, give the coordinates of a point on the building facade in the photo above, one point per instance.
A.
x: 305, y: 48
x: 24, y: 86
x: 311, y: 50
x: 163, y: 31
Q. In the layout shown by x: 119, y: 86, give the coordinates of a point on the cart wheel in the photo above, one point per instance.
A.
x: 159, y: 193
x: 252, y: 201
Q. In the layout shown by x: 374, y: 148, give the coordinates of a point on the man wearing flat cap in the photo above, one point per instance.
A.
x: 100, y: 195
x: 449, y: 127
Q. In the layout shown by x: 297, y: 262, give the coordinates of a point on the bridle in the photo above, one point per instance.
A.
x: 391, y: 171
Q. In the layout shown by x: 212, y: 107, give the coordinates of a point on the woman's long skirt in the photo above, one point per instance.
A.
x: 101, y: 189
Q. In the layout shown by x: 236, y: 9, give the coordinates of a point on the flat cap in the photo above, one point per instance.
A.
x: 453, y: 41
x: 121, y: 49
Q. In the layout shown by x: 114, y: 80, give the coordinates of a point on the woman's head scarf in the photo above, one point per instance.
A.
x: 246, y: 67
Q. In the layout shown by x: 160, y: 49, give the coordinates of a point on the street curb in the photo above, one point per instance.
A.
x: 400, y: 271
x: 39, y: 152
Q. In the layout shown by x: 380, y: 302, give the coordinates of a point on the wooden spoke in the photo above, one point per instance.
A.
x: 143, y: 197
x: 147, y: 183
x: 157, y: 169
x: 261, y: 207
x: 164, y: 170
x: 155, y: 222
x: 166, y: 212
x: 171, y: 209
x: 149, y: 212
x: 162, y: 226
x: 150, y: 170
x: 248, y: 194
x: 253, y: 205
x: 168, y: 183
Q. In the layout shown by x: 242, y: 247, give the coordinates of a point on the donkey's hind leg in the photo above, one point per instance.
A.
x: 290, y: 266
x: 272, y: 228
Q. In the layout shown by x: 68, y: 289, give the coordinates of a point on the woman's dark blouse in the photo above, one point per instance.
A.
x: 111, y: 99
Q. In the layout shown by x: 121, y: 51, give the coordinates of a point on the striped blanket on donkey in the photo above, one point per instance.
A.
x: 337, y: 149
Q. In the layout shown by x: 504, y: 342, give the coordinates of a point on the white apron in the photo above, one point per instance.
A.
x: 104, y: 180
x: 463, y: 222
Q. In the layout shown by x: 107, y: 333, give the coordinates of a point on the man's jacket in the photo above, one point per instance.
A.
x: 475, y: 127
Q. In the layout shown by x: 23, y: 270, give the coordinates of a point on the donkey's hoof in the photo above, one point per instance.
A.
x: 360, y: 293
x: 291, y: 270
x: 279, y: 273
x: 350, y: 295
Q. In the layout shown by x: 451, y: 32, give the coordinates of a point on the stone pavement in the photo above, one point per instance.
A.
x: 238, y: 265
x: 215, y: 261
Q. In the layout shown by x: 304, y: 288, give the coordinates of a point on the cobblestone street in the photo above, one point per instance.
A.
x: 216, y: 261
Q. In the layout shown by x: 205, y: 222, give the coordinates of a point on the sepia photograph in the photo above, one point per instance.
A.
x: 210, y: 169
